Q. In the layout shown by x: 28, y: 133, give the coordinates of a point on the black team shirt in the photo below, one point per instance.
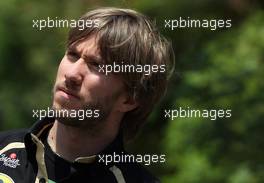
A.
x: 26, y: 157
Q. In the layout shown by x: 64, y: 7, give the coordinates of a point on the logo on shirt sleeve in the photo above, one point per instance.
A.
x: 10, y: 161
x: 5, y: 178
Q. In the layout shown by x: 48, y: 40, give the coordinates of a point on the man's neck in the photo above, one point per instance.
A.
x: 71, y: 142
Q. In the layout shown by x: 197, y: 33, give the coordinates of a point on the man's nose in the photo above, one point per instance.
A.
x: 74, y: 75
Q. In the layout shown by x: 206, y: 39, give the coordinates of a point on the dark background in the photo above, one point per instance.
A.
x: 221, y: 69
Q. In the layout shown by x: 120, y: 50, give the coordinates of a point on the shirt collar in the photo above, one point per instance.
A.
x: 44, y: 124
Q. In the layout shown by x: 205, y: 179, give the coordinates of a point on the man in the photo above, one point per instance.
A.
x: 65, y: 148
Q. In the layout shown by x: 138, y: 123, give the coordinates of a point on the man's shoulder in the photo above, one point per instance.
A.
x: 137, y: 173
x: 12, y: 136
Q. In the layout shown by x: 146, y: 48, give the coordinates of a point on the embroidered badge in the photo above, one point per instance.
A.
x: 5, y: 178
x: 10, y: 161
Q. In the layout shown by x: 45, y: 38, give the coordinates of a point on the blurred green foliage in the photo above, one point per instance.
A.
x: 220, y: 69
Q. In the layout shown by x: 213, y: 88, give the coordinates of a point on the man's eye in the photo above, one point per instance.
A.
x: 95, y: 65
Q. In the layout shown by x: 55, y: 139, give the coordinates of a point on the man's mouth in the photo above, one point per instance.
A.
x: 68, y: 93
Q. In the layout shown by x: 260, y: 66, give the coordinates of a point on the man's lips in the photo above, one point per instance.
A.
x: 68, y: 94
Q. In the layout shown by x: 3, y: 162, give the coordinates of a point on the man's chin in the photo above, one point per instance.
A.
x: 70, y: 122
x: 77, y: 123
x: 64, y: 106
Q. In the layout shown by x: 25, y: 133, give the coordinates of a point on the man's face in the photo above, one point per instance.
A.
x: 79, y: 85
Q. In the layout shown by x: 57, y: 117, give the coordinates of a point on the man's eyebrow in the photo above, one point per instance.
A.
x: 72, y: 48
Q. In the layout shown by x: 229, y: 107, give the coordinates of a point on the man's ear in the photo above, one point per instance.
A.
x: 128, y: 103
